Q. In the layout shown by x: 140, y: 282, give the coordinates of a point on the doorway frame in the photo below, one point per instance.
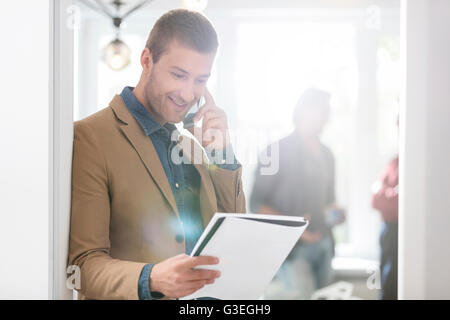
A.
x: 61, y: 94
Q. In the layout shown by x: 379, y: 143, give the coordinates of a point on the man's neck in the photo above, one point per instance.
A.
x: 311, y: 141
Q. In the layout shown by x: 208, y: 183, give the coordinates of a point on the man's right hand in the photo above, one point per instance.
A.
x: 176, y: 278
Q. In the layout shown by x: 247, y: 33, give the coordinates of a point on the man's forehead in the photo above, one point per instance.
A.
x: 181, y: 56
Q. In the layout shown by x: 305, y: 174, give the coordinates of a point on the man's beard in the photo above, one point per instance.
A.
x: 153, y: 101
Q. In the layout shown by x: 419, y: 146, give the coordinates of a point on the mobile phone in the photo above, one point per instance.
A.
x: 188, y: 121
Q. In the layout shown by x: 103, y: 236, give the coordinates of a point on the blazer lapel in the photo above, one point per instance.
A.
x: 145, y: 149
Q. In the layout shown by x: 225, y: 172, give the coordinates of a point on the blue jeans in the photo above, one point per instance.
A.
x: 307, y: 270
x: 389, y: 261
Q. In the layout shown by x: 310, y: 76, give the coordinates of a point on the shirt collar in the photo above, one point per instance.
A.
x: 141, y: 114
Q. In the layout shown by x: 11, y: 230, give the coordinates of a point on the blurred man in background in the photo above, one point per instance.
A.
x: 385, y: 200
x: 303, y: 186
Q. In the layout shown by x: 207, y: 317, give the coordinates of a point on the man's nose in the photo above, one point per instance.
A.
x: 188, y: 92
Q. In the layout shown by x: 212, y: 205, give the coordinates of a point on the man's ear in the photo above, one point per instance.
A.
x: 146, y: 60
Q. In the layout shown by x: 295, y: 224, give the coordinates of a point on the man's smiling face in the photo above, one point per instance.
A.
x: 176, y: 81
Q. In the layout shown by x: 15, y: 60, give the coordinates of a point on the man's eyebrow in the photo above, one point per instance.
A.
x: 179, y: 69
x: 184, y: 71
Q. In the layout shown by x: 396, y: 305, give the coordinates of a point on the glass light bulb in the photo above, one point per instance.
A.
x: 117, y: 62
x: 117, y: 55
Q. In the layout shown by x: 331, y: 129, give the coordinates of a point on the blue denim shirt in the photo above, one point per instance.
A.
x: 183, y: 178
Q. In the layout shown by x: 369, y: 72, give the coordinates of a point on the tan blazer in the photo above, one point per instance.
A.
x: 123, y: 213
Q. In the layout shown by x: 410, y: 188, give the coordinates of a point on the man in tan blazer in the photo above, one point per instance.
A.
x: 136, y: 210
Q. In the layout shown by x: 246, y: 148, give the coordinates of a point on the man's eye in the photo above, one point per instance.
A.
x: 178, y: 76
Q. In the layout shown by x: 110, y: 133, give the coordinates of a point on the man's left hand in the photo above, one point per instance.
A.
x: 213, y: 134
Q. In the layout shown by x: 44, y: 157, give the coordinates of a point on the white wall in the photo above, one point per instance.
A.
x: 24, y: 147
x: 424, y: 239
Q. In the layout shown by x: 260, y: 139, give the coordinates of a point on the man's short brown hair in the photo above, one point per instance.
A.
x: 191, y: 28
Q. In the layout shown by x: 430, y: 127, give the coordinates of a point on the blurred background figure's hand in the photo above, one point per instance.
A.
x: 335, y: 215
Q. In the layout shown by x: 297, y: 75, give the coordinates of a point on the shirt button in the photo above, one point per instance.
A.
x: 177, y: 185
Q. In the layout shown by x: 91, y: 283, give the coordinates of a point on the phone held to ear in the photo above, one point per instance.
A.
x: 188, y: 121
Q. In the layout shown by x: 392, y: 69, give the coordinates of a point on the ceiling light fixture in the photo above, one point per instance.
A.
x: 117, y: 55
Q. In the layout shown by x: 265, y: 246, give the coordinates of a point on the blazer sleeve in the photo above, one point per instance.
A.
x: 102, y: 277
x: 228, y: 187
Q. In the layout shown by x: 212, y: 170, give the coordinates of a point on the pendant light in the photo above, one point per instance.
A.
x: 116, y: 55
